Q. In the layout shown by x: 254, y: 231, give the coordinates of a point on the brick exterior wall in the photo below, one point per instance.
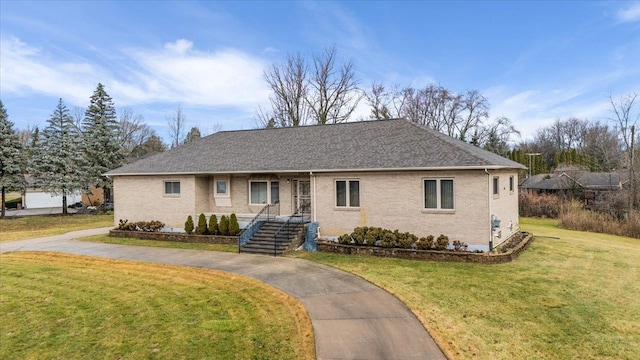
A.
x: 393, y: 200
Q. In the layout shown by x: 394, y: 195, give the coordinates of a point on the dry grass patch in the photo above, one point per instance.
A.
x: 65, y: 306
x: 29, y: 227
x: 567, y: 298
x: 159, y: 243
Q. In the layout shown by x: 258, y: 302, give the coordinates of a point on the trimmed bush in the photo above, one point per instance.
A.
x: 213, y: 225
x: 442, y: 242
x: 425, y: 243
x: 224, y: 225
x: 234, y: 227
x: 148, y: 226
x: 188, y: 225
x: 459, y: 245
x: 202, y: 225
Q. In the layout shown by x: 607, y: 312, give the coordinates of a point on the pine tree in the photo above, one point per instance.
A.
x: 103, y: 149
x: 57, y: 158
x: 12, y: 158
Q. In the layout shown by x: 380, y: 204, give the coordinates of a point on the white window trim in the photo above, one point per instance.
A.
x: 215, y: 186
x: 438, y: 208
x: 495, y: 190
x: 268, y: 191
x: 348, y: 195
x: 512, y: 184
x: 171, y: 195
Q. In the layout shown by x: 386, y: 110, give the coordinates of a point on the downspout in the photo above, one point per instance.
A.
x: 313, y: 189
x: 489, y: 203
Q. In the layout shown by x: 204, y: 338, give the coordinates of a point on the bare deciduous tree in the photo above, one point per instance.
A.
x: 288, y: 82
x: 334, y: 92
x: 177, y: 125
x: 133, y: 130
x: 625, y: 119
x: 302, y: 94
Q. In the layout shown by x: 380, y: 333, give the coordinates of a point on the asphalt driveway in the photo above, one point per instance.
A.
x: 351, y: 318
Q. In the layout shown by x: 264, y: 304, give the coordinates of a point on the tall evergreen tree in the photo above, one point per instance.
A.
x: 103, y: 149
x: 12, y: 158
x: 57, y: 157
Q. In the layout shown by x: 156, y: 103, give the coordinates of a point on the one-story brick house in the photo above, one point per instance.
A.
x: 388, y: 173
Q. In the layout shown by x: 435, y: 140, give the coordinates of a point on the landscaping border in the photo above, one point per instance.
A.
x: 176, y: 237
x: 431, y: 255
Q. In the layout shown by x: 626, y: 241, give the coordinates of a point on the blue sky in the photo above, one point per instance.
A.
x: 535, y: 61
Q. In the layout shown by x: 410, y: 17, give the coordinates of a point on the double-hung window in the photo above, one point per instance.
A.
x: 348, y: 193
x: 438, y: 194
x: 172, y: 188
x: 496, y: 186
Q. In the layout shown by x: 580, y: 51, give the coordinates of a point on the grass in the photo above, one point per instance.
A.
x: 40, y: 226
x: 66, y: 306
x: 164, y: 244
x: 572, y: 297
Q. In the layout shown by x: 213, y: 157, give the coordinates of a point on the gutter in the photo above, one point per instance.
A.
x: 446, y: 168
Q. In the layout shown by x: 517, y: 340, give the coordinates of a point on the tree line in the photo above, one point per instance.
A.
x: 75, y: 148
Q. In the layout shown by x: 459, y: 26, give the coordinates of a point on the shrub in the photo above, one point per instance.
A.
x: 442, y: 242
x: 234, y: 227
x: 425, y: 243
x: 541, y: 205
x: 344, y: 239
x: 223, y: 227
x: 188, y: 225
x: 213, y: 225
x: 358, y: 235
x: 459, y: 245
x: 407, y: 240
x: 149, y: 226
x: 202, y: 225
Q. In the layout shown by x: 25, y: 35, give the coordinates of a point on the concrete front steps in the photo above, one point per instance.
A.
x: 263, y: 241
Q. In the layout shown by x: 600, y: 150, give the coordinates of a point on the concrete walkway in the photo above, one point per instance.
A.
x: 352, y: 318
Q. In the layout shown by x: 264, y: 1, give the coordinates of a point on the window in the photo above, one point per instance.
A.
x: 275, y: 192
x: 496, y: 186
x: 172, y: 187
x: 264, y: 192
x: 511, y: 184
x: 438, y: 194
x: 348, y: 193
x: 221, y: 187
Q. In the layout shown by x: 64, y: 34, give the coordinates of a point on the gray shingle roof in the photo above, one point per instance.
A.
x: 566, y: 181
x: 368, y: 145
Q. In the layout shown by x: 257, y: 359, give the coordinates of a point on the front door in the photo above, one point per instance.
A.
x: 302, y: 194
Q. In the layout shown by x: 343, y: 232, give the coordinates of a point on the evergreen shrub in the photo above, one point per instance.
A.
x: 202, y: 225
x: 188, y: 225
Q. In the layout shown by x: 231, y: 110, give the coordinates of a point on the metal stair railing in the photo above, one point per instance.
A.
x: 285, y: 229
x: 255, y: 225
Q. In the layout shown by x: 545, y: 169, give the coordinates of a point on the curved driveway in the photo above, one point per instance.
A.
x: 352, y: 318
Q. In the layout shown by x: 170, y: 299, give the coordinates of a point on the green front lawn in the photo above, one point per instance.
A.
x: 158, y: 243
x: 575, y: 297
x: 58, y: 306
x: 29, y: 227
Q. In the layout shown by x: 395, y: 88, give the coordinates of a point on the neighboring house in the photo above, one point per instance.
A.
x: 35, y: 198
x: 388, y: 173
x: 591, y: 187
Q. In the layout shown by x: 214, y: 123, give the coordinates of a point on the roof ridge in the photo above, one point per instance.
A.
x: 305, y: 126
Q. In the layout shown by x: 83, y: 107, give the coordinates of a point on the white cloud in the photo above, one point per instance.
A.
x: 25, y: 70
x: 176, y: 73
x: 629, y: 14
